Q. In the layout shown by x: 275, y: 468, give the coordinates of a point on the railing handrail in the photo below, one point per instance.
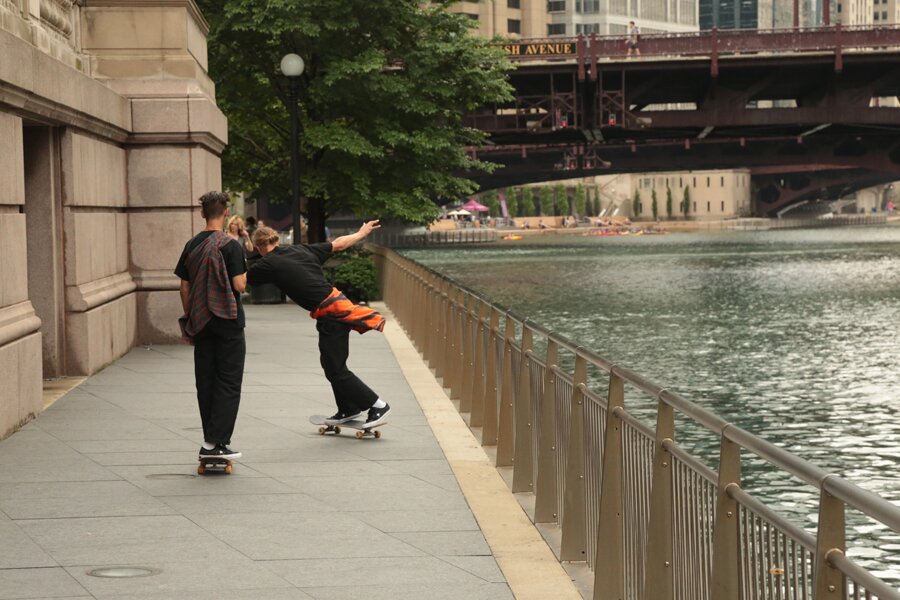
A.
x: 459, y: 301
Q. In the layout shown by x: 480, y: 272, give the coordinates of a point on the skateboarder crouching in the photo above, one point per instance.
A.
x: 213, y: 272
x: 297, y: 270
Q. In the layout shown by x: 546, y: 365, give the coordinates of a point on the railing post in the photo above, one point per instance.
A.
x: 725, y: 584
x: 506, y: 426
x: 456, y: 368
x: 489, y: 415
x: 468, y: 371
x: 545, y: 505
x: 574, y: 538
x: 451, y: 381
x: 523, y: 473
x: 609, y: 564
x: 440, y: 370
x: 434, y: 327
x: 479, y: 382
x: 658, y: 570
x: 831, y: 535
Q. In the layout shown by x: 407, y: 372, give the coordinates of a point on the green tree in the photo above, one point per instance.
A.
x: 380, y: 102
x: 686, y: 202
x: 561, y: 200
x: 580, y: 201
x: 527, y: 206
x: 492, y: 201
x: 669, y: 202
x: 512, y: 201
x: 654, y: 206
x: 636, y: 204
x: 545, y: 197
x: 598, y: 205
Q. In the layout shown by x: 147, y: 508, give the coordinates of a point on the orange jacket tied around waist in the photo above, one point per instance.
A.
x: 338, y: 308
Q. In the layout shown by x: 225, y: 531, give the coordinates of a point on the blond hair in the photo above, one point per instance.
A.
x: 235, y: 219
x: 264, y: 236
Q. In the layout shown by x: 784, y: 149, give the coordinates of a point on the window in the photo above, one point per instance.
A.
x: 877, y: 17
x: 708, y: 209
x: 513, y: 3
x: 680, y: 184
x: 695, y: 185
x: 556, y: 5
x: 723, y: 206
x: 695, y: 206
x: 471, y: 16
x: 884, y: 15
x: 556, y: 29
x: 707, y: 182
x: 587, y: 28
x: 722, y: 181
x: 587, y: 6
x: 514, y: 26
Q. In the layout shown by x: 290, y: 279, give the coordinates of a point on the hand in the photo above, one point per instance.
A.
x: 368, y: 227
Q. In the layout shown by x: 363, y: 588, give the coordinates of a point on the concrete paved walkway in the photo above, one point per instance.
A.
x: 107, y: 477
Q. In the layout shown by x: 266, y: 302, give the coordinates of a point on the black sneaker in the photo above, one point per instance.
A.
x: 341, y: 417
x: 378, y: 416
x: 220, y: 451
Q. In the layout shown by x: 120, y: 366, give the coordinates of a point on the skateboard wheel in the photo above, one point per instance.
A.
x: 321, y: 431
x: 377, y: 435
x: 359, y: 435
x: 228, y: 469
x: 337, y: 429
x: 201, y: 469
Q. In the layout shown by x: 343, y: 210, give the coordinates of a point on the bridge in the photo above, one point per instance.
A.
x: 811, y: 112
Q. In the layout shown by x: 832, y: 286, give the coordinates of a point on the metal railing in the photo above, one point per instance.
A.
x: 474, y: 235
x: 652, y: 521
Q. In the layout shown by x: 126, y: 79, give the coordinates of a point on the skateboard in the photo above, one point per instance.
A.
x: 215, y: 464
x: 360, y: 426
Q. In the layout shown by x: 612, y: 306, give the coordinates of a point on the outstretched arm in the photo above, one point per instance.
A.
x: 345, y: 241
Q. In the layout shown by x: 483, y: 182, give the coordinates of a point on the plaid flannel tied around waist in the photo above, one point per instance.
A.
x: 337, y: 307
x: 211, y: 292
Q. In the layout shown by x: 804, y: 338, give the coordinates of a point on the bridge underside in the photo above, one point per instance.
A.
x: 808, y: 126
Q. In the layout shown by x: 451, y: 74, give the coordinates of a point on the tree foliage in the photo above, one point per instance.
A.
x: 580, y: 201
x: 545, y: 197
x: 636, y: 204
x: 686, y: 202
x: 654, y: 205
x: 561, y: 199
x: 380, y: 102
x: 492, y: 201
x: 512, y: 201
x: 527, y: 206
x: 669, y: 202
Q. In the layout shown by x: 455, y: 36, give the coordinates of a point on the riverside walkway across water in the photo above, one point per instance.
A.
x: 106, y: 477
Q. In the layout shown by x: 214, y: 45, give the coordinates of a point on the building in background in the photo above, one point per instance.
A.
x: 109, y: 132
x: 611, y: 17
x: 506, y: 18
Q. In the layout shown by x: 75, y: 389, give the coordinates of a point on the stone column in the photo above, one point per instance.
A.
x: 153, y: 52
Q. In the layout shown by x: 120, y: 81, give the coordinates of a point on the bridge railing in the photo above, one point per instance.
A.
x: 710, y: 43
x: 629, y: 502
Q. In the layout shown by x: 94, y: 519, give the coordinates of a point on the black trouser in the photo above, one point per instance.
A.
x: 350, y: 394
x: 219, y: 369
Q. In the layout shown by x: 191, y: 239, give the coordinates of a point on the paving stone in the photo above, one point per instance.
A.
x: 19, y: 551
x: 484, y: 567
x: 485, y: 591
x: 447, y: 543
x: 391, y: 521
x: 245, y: 503
x: 132, y: 502
x: 51, y: 582
x: 376, y: 493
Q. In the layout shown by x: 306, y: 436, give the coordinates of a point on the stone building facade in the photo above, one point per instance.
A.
x: 506, y: 18
x: 109, y: 132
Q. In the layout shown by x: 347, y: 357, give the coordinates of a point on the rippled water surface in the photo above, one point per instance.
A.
x: 793, y: 335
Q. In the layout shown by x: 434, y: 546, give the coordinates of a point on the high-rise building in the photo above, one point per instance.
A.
x: 863, y: 12
x: 757, y: 14
x: 513, y: 18
x: 611, y: 17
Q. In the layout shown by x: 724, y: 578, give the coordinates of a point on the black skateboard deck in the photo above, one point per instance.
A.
x: 360, y: 426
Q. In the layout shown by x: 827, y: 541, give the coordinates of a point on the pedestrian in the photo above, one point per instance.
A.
x: 633, y: 41
x: 238, y: 232
x: 297, y: 270
x: 213, y: 272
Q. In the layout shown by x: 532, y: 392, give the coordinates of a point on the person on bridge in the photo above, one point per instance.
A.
x: 633, y: 41
x: 213, y: 272
x: 297, y: 270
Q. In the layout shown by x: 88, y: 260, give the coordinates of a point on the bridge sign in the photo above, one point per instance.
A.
x: 537, y: 49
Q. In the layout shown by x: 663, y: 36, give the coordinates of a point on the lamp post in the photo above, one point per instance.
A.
x: 292, y: 68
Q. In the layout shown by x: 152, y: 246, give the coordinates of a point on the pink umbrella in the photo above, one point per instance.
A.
x: 473, y: 206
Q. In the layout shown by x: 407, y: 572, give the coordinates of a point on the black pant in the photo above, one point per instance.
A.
x: 350, y: 394
x: 219, y: 369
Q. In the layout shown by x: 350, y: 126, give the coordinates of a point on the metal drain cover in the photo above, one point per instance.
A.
x: 171, y: 476
x: 123, y: 572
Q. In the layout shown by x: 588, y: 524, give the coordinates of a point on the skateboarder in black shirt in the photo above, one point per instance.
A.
x: 297, y: 270
x: 213, y: 271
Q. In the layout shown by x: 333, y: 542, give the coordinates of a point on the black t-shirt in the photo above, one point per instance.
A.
x: 297, y: 270
x: 235, y: 264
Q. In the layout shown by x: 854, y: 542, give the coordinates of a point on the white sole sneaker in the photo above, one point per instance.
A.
x: 379, y: 421
x: 333, y: 422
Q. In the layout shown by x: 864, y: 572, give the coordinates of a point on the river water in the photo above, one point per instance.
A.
x: 793, y: 335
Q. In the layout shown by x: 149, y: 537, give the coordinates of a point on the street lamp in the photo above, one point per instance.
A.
x: 292, y: 68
